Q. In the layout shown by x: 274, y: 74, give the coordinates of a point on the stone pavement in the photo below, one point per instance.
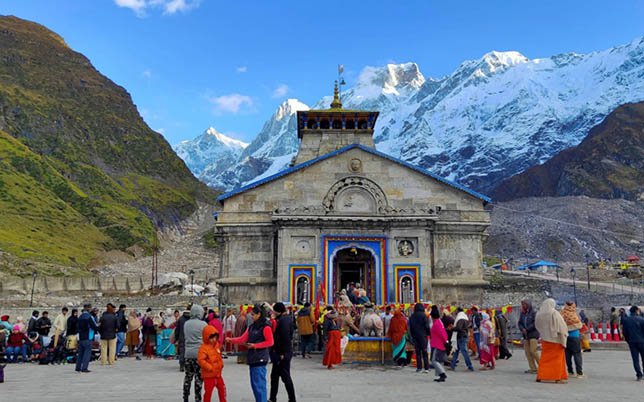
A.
x: 610, y: 378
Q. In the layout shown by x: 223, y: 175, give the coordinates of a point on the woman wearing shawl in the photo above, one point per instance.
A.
x: 573, y: 344
x: 396, y: 333
x: 132, y: 336
x: 488, y: 349
x: 554, y: 336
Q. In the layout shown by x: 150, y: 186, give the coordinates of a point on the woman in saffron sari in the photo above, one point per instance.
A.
x: 332, y: 348
x: 488, y: 349
x: 396, y: 333
x: 554, y: 336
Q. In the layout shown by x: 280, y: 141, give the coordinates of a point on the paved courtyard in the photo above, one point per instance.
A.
x: 610, y: 377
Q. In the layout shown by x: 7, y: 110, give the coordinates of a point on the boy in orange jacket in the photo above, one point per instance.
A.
x: 209, y: 359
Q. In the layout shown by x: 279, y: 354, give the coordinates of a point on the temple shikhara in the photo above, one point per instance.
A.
x: 345, y: 213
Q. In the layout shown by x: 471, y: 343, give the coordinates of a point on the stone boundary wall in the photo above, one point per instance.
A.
x: 49, y: 284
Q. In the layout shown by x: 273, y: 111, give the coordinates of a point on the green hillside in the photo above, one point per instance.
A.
x: 80, y: 171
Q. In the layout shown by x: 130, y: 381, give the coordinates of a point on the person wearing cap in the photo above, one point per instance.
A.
x: 193, y: 336
x: 16, y: 345
x: 282, y: 353
x: 86, y: 326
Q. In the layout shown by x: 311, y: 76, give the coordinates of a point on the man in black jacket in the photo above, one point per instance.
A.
x: 419, y: 331
x: 72, y: 323
x: 281, y: 353
x: 43, y: 325
x: 633, y: 330
x: 86, y: 327
x: 108, y: 326
x: 31, y: 327
x: 530, y: 335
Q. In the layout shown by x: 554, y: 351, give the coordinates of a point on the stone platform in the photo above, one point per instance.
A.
x: 609, y: 377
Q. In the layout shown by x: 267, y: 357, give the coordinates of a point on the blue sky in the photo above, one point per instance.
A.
x: 229, y: 64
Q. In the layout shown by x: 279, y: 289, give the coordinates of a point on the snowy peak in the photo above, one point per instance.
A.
x: 210, y: 147
x: 496, y: 60
x: 489, y: 119
x: 223, y: 139
x: 394, y: 79
x: 288, y: 108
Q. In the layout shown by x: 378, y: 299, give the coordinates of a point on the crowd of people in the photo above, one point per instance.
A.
x: 264, y: 334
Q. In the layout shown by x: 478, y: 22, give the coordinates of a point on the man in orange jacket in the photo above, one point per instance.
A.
x: 211, y: 364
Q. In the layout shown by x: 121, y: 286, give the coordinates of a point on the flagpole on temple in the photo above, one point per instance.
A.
x: 340, y: 81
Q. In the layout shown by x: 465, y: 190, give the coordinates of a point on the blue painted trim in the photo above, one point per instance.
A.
x: 372, y: 151
x: 419, y: 270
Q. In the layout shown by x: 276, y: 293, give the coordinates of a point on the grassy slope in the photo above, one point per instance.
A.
x: 86, y: 173
x: 36, y: 222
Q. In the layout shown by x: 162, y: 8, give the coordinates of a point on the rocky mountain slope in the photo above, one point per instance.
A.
x: 566, y: 229
x: 80, y: 172
x: 608, y: 163
x: 487, y: 121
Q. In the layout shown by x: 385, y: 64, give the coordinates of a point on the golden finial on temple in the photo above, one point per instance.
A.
x: 336, y: 104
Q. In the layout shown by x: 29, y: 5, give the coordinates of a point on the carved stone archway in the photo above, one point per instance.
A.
x: 355, y: 194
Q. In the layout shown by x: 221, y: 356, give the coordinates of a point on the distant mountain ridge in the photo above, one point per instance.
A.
x: 80, y: 171
x: 608, y: 163
x: 487, y: 121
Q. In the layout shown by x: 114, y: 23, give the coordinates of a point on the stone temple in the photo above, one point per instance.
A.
x: 344, y: 212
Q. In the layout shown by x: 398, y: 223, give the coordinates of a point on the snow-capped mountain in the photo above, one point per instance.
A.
x: 488, y: 120
x: 210, y: 153
x: 268, y: 153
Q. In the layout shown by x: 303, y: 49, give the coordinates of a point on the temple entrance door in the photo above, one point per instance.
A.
x: 355, y: 265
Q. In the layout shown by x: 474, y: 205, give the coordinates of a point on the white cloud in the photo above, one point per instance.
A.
x: 160, y: 130
x: 241, y: 69
x: 147, y: 74
x: 231, y: 103
x: 280, y: 91
x: 169, y: 7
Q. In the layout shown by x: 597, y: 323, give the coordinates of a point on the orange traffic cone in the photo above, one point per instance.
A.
x: 600, y: 333
x: 607, y: 336
x: 593, y: 335
x: 615, y: 333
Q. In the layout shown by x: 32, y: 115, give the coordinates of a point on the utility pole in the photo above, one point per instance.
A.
x: 33, y: 285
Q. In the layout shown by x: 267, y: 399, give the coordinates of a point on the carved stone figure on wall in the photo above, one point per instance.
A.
x: 355, y: 165
x: 405, y: 248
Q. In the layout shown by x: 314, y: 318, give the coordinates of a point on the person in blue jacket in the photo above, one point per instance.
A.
x: 86, y: 329
x: 633, y: 330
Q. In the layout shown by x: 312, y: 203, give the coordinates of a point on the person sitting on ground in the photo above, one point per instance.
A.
x: 35, y: 345
x: 16, y: 345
